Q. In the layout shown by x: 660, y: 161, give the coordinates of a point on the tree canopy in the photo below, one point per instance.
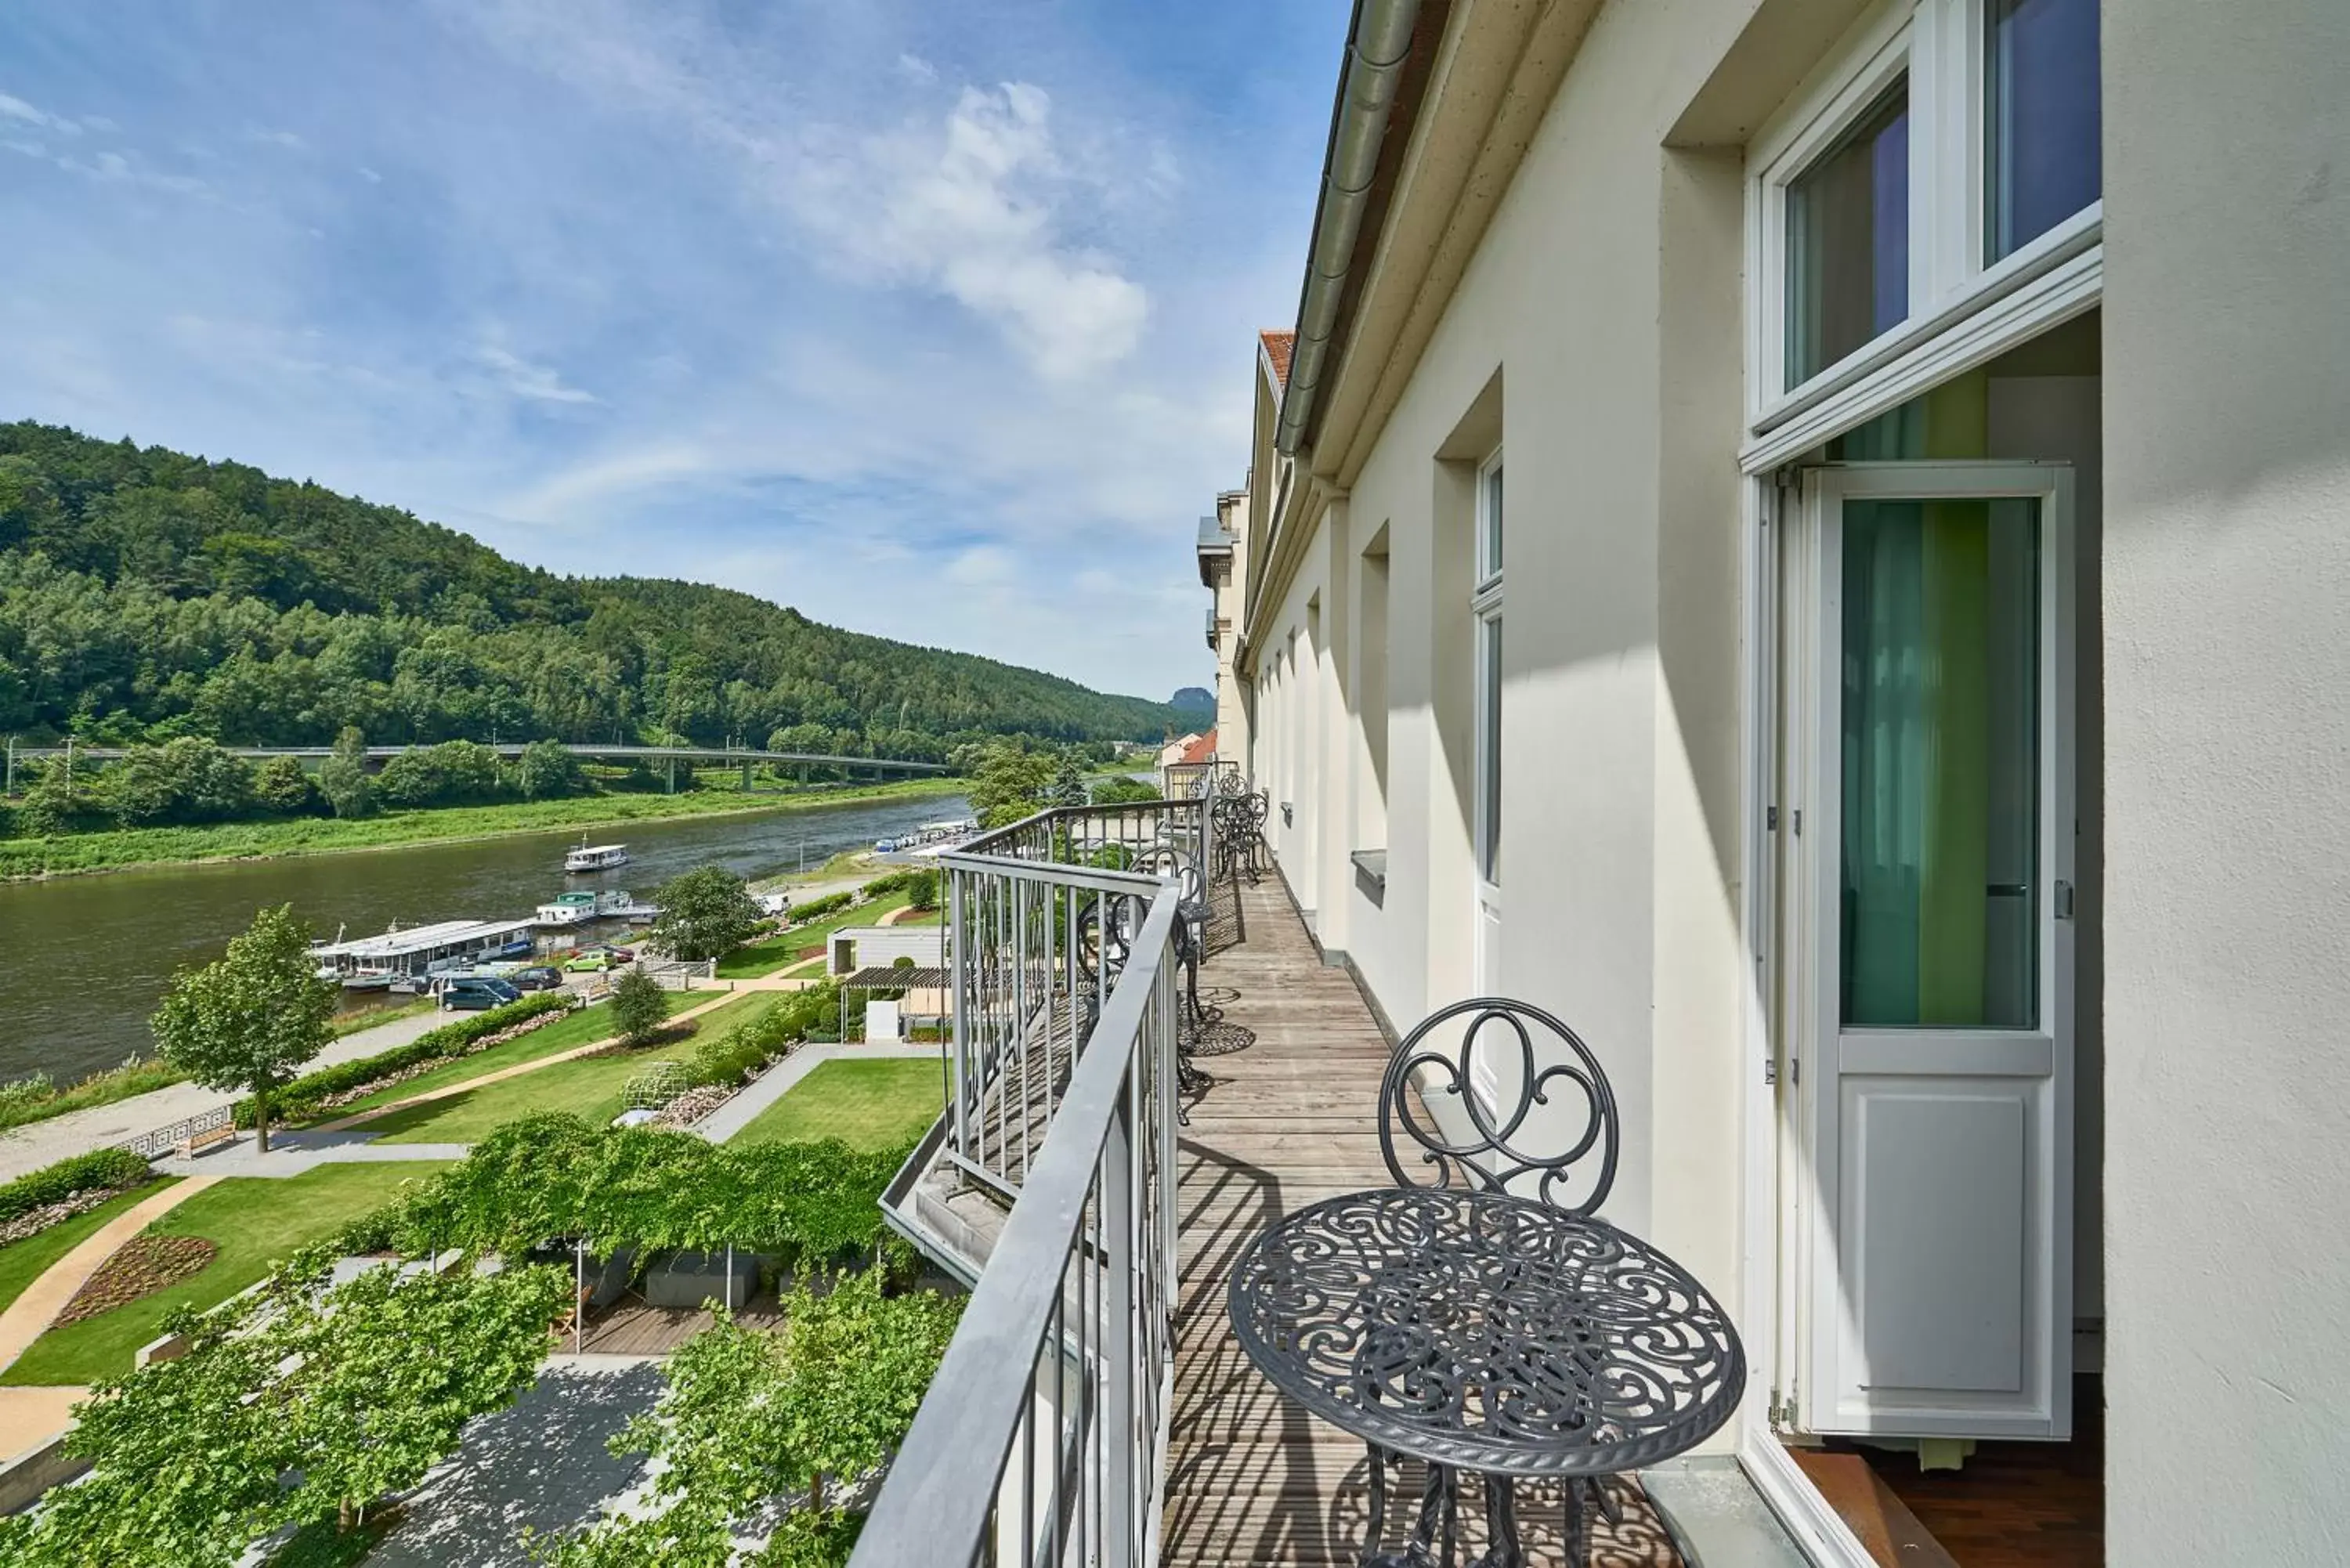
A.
x: 705, y: 913
x: 145, y: 594
x: 251, y: 1018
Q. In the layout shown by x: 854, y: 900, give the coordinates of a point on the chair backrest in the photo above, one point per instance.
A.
x: 1507, y: 1148
x: 1168, y: 860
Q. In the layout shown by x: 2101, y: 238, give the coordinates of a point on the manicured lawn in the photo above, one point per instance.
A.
x: 22, y: 1262
x: 255, y: 1222
x: 878, y: 1104
x: 584, y: 1027
x: 590, y: 1087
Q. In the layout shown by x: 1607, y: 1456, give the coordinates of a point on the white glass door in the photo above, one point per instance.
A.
x: 1930, y: 774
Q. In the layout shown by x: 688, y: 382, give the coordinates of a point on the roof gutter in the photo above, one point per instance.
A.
x: 1366, y: 94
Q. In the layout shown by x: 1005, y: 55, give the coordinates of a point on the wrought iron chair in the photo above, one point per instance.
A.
x: 1506, y: 1147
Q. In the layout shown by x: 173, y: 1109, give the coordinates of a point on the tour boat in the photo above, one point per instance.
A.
x: 595, y: 857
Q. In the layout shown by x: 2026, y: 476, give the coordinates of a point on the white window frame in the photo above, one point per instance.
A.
x: 1486, y: 613
x: 1962, y: 311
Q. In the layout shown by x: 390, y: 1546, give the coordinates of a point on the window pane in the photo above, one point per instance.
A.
x: 2042, y: 117
x: 1848, y: 241
x: 1489, y: 747
x: 1491, y: 542
x: 1941, y: 836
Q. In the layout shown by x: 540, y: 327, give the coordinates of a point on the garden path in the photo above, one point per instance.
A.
x: 32, y: 1312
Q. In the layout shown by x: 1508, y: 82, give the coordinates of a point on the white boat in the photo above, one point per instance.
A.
x: 569, y: 909
x: 409, y: 957
x: 595, y: 857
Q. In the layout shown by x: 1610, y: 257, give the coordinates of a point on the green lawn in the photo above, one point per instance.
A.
x: 22, y: 1262
x: 590, y: 1087
x: 757, y: 959
x: 255, y: 1222
x: 584, y: 1027
x: 878, y: 1104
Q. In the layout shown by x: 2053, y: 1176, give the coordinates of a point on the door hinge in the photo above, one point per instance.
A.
x: 1782, y: 1410
x: 1769, y: 819
x: 1799, y: 822
x: 1769, y: 1069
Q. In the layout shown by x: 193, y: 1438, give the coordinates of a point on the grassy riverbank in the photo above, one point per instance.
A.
x: 124, y: 849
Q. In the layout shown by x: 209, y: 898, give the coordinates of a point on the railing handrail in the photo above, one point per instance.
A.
x: 1093, y: 878
x: 942, y: 1487
x: 980, y: 845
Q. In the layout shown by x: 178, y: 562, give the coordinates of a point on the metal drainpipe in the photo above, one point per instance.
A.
x: 1366, y: 93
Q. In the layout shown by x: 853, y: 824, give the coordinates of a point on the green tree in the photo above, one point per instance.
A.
x: 283, y: 787
x: 1009, y: 784
x: 750, y: 1415
x: 704, y: 913
x: 343, y: 777
x: 294, y: 1405
x: 1068, y: 782
x: 922, y: 890
x: 547, y: 769
x: 1121, y: 790
x: 639, y: 1006
x: 249, y: 1019
x: 186, y: 780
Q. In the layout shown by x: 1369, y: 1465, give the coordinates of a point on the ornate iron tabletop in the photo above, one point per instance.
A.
x: 1487, y: 1332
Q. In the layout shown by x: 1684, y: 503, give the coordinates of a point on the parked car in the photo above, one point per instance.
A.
x: 590, y: 960
x: 476, y: 994
x: 536, y: 977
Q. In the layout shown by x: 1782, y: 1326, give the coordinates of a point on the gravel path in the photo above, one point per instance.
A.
x: 27, y: 1148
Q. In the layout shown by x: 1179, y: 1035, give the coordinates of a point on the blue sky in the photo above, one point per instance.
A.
x: 933, y: 320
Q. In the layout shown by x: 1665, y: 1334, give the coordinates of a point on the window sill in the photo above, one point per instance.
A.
x: 1371, y: 873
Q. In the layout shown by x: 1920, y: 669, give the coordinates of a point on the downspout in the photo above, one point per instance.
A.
x: 1366, y: 94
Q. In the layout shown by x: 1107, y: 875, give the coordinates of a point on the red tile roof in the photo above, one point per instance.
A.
x: 1203, y: 750
x: 1277, y: 346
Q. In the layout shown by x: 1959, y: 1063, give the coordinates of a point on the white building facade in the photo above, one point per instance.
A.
x: 1809, y: 540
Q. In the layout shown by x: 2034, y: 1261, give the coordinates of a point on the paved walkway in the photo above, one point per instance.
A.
x: 27, y: 1148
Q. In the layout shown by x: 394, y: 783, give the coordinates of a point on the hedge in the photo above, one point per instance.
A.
x: 298, y: 1098
x: 101, y: 1168
x: 731, y: 1057
x: 816, y: 908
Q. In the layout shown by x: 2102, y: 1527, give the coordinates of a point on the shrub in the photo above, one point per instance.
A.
x: 301, y: 1097
x: 283, y: 787
x: 817, y: 909
x: 882, y: 887
x: 922, y: 890
x: 103, y: 1168
x: 639, y: 1006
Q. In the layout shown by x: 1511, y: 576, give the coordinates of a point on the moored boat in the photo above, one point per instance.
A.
x: 595, y: 857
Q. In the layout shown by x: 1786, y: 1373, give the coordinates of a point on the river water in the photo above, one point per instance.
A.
x: 84, y: 960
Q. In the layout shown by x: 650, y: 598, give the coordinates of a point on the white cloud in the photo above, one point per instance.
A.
x: 975, y: 207
x: 18, y: 108
x: 918, y: 70
x: 536, y: 383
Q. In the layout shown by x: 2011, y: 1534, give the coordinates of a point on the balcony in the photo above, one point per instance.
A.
x: 1095, y: 1407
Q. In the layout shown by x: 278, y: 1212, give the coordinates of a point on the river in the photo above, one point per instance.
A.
x: 84, y: 960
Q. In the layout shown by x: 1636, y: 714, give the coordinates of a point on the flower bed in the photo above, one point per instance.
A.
x: 141, y: 1267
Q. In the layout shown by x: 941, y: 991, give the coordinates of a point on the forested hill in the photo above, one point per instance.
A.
x: 145, y: 594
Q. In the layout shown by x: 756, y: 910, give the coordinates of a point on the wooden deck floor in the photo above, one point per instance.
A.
x: 1293, y: 1118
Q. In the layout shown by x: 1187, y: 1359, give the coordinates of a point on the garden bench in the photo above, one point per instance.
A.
x: 196, y: 1144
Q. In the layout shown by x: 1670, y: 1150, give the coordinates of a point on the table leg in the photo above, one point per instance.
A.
x: 1504, y: 1547
x: 1372, y: 1557
x: 1433, y: 1533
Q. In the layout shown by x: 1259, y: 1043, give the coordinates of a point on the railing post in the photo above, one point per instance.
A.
x: 1121, y: 1525
x: 961, y: 951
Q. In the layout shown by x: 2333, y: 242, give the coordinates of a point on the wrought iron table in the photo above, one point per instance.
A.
x: 1483, y: 1332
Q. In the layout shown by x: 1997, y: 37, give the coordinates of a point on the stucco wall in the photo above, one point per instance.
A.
x: 1618, y: 418
x: 2228, y: 737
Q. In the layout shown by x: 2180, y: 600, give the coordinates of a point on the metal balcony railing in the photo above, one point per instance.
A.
x: 1044, y: 1435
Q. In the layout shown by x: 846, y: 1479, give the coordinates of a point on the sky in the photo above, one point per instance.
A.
x: 935, y: 321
